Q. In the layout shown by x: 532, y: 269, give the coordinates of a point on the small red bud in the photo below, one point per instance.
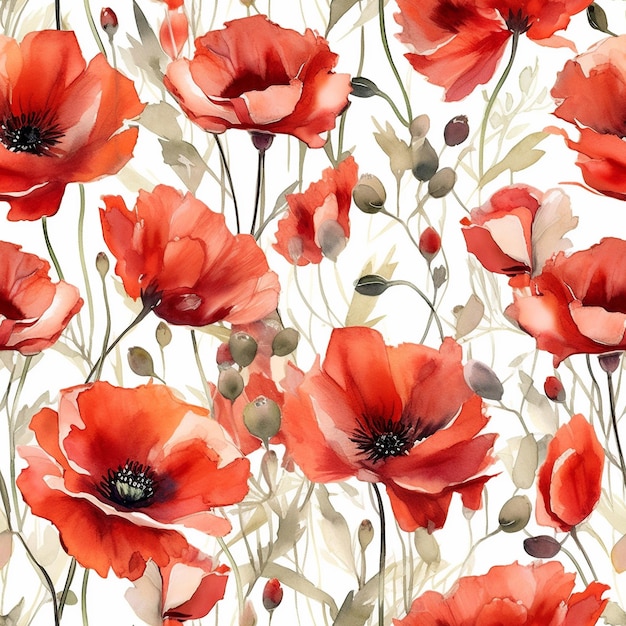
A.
x: 429, y: 244
x: 272, y: 594
x: 108, y: 21
x: 223, y: 357
x: 553, y: 389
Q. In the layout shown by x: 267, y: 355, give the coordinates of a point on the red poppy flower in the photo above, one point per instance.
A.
x: 570, y: 479
x: 317, y: 222
x: 34, y: 311
x: 181, y: 259
x: 378, y: 413
x: 589, y: 91
x: 457, y: 44
x: 518, y: 229
x: 60, y: 121
x: 186, y: 588
x: 515, y: 595
x: 119, y: 471
x: 174, y: 32
x: 257, y: 76
x: 578, y: 303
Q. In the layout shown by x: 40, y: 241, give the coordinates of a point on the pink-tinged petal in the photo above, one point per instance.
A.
x: 599, y: 324
x: 586, y: 607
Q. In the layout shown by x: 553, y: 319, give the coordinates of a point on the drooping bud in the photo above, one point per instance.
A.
x: 426, y: 546
x: 456, y: 131
x: 262, y: 418
x: 369, y: 194
x: 242, y: 348
x: 332, y: 239
x: 140, y: 361
x: 554, y: 389
x: 429, y: 243
x: 442, y: 183
x: 371, y: 285
x: 515, y: 514
x: 163, y: 334
x: 230, y: 383
x: 272, y: 594
x: 542, y: 546
x: 609, y: 362
x: 482, y: 380
x: 596, y: 16
x: 269, y: 468
x: 419, y: 127
x: 363, y: 87
x: 262, y: 141
x: 108, y: 21
x: 285, y: 342
x: 365, y: 534
x: 425, y: 161
x: 102, y: 264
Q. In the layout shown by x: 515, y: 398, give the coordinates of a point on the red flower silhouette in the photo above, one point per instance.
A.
x: 119, y: 471
x: 570, y: 479
x: 181, y: 259
x: 174, y: 32
x: 378, y: 413
x: 515, y: 595
x: 589, y: 92
x: 578, y: 303
x: 257, y: 76
x: 60, y: 121
x: 34, y: 311
x: 457, y: 44
x: 518, y: 229
x: 317, y: 222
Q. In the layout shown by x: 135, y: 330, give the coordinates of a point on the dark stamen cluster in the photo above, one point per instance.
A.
x: 132, y: 485
x: 518, y: 22
x: 380, y: 438
x: 29, y: 133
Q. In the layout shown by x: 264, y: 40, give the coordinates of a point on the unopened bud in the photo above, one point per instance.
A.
x: 363, y: 87
x: 140, y: 361
x: 482, y: 380
x: 285, y: 342
x: 425, y: 161
x: 609, y: 362
x: 426, y: 546
x: 369, y: 194
x: 272, y: 594
x: 269, y: 468
x: 542, y: 547
x: 262, y: 141
x: 242, y: 348
x: 102, y: 264
x: 597, y: 19
x: 230, y: 383
x: 515, y: 514
x: 371, y: 285
x: 442, y: 183
x: 365, y: 534
x: 262, y: 418
x: 429, y: 243
x: 163, y: 334
x: 456, y: 130
x: 108, y: 21
x: 223, y: 357
x: 419, y: 127
x: 553, y: 389
x: 332, y: 239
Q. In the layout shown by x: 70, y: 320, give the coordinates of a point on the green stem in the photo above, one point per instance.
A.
x: 92, y: 27
x: 574, y: 536
x: 83, y: 265
x: 424, y: 297
x: 203, y: 377
x: 431, y: 317
x: 403, y: 224
x: 257, y: 199
x: 83, y: 598
x: 490, y: 104
x: 230, y: 180
x: 394, y: 108
x: 53, y: 256
x: 107, y: 330
x: 66, y: 588
x: 620, y: 452
x: 6, y: 501
x: 383, y: 557
x: 235, y: 570
x: 57, y: 14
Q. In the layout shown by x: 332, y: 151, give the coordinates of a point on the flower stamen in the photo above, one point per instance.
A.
x: 132, y: 485
x: 30, y: 133
x: 378, y: 439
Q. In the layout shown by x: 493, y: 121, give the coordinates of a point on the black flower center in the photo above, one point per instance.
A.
x: 30, y: 133
x: 378, y: 439
x: 518, y: 22
x: 132, y: 485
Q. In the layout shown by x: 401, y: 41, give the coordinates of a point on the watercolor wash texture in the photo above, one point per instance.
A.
x: 312, y: 312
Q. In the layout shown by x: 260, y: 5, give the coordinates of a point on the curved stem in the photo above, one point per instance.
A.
x: 230, y: 180
x: 394, y: 108
x: 83, y: 598
x: 203, y: 378
x: 574, y: 535
x: 620, y: 452
x: 424, y: 297
x: 576, y: 565
x: 107, y: 331
x: 257, y: 196
x: 53, y: 256
x: 492, y: 101
x: 403, y: 224
x: 382, y: 559
x: 83, y: 264
x: 66, y: 588
x: 235, y: 569
x: 92, y: 27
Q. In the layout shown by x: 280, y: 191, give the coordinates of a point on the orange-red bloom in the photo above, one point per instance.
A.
x: 577, y: 305
x: 570, y: 479
x: 174, y: 32
x: 457, y: 44
x: 258, y: 76
x: 518, y: 229
x: 539, y: 594
x: 119, y: 471
x: 34, y: 311
x: 60, y: 121
x: 317, y: 223
x: 589, y: 92
x: 181, y: 259
x: 403, y: 416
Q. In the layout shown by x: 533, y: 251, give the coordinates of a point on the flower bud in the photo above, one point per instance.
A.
x: 442, y: 183
x: 332, y: 239
x: 242, y: 348
x: 419, y: 127
x: 262, y: 418
x: 371, y: 285
x: 515, y: 514
x: 108, y: 21
x: 262, y: 141
x: 482, y: 380
x: 456, y: 130
x: 223, y: 357
x: 272, y: 594
x: 429, y: 243
x: 426, y: 546
x: 269, y: 468
x: 248, y: 615
x: 363, y: 87
x: 285, y: 342
x: 609, y: 362
x: 553, y: 389
x: 369, y: 194
x: 230, y: 383
x: 163, y: 334
x: 596, y: 16
x: 542, y: 547
x: 425, y: 161
x: 140, y: 361
x: 102, y: 264
x: 365, y: 534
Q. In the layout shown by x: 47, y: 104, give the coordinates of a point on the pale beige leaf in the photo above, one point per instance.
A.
x: 469, y: 316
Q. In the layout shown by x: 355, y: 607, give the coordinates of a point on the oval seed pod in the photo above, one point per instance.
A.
x: 515, y: 514
x: 285, y: 342
x: 262, y: 418
x: 242, y: 348
x: 369, y: 194
x: 230, y: 383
